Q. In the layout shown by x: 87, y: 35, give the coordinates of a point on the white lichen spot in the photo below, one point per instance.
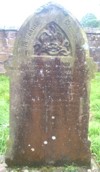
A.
x: 41, y: 72
x: 33, y: 99
x: 53, y: 117
x: 29, y: 145
x: 53, y: 137
x: 45, y: 142
x: 32, y: 149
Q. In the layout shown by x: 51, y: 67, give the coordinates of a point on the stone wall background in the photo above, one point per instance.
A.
x: 93, y: 36
x: 7, y: 39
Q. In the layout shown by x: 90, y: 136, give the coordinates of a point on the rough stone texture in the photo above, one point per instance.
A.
x: 49, y: 92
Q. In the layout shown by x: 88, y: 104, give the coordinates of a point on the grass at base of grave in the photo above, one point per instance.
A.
x: 94, y: 126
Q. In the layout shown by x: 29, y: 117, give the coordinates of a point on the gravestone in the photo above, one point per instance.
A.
x: 49, y: 106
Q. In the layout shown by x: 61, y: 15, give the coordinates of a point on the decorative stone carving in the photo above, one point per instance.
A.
x: 52, y: 41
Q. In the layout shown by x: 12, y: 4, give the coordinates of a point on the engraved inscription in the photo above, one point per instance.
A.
x: 52, y: 41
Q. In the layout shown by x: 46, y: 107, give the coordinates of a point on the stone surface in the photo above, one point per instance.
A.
x: 49, y: 107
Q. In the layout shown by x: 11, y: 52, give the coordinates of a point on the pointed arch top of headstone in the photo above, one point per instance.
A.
x: 52, y: 25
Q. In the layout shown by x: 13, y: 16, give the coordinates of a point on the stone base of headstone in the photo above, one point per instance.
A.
x: 94, y: 168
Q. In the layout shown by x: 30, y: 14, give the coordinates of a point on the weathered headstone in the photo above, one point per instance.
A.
x: 49, y: 92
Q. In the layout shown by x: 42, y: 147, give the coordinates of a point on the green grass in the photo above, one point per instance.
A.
x: 4, y: 112
x: 94, y: 126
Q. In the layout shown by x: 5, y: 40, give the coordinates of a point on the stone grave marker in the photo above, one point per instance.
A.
x: 49, y: 98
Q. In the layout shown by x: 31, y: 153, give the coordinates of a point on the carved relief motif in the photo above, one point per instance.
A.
x: 52, y: 41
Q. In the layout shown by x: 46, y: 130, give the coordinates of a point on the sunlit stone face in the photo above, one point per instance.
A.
x: 49, y: 96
